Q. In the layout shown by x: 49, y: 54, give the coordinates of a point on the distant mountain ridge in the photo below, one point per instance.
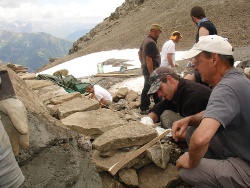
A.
x: 63, y: 30
x: 32, y: 50
x: 77, y: 34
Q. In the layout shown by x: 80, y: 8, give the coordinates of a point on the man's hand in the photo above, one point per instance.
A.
x: 183, y: 161
x: 147, y: 121
x: 179, y: 128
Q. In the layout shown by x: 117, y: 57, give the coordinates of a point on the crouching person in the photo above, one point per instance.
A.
x: 100, y: 94
x: 181, y: 97
x: 224, y: 127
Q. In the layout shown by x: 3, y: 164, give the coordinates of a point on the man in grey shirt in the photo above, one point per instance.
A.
x: 224, y: 127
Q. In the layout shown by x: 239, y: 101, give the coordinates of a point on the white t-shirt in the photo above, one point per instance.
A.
x: 168, y: 47
x: 100, y: 93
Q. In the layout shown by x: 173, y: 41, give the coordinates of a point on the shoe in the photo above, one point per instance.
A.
x: 144, y: 112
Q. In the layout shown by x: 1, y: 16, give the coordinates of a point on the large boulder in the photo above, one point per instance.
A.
x: 93, y: 123
x: 132, y: 134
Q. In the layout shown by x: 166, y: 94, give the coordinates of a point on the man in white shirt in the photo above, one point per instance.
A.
x: 100, y: 94
x: 168, y: 50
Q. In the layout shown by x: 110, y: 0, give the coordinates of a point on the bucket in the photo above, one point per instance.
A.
x: 100, y: 68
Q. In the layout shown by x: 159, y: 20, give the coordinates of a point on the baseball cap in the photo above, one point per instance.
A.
x: 210, y: 43
x: 156, y: 26
x: 155, y: 78
x: 176, y: 33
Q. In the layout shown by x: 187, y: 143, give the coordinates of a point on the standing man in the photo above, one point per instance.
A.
x: 150, y: 59
x: 224, y: 127
x: 168, y: 50
x: 205, y: 27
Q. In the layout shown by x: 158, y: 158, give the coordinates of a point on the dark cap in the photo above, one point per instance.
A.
x: 155, y: 78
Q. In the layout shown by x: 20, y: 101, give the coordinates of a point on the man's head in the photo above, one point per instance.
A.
x: 212, y: 54
x: 155, y: 30
x: 176, y: 36
x: 164, y: 81
x: 197, y: 13
x: 89, y: 88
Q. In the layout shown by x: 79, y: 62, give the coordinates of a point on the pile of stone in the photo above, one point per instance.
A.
x: 112, y: 134
x: 244, y: 66
x: 152, y: 168
x: 17, y: 68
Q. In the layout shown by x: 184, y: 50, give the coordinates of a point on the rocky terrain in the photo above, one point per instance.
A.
x: 64, y: 151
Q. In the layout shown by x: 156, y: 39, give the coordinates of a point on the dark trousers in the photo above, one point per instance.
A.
x: 215, y: 150
x: 145, y: 99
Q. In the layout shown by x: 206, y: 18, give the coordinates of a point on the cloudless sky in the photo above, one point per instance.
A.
x: 57, y: 11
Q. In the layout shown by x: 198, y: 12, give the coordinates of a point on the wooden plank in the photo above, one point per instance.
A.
x: 114, y: 169
x: 114, y: 75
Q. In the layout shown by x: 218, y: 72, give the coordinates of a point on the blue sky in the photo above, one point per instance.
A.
x: 57, y: 11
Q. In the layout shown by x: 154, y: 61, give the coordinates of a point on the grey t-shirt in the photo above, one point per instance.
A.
x: 229, y: 104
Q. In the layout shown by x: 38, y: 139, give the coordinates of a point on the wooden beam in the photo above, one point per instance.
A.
x: 114, y: 169
x: 114, y: 74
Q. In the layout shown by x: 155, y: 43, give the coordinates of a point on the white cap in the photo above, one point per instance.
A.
x: 210, y: 43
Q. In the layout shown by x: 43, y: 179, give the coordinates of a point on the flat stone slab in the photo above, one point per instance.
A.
x: 76, y: 105
x: 132, y: 134
x: 65, y: 97
x: 38, y: 84
x: 49, y: 92
x: 105, y: 163
x: 94, y: 122
x: 28, y: 76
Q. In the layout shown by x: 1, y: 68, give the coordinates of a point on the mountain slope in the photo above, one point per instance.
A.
x: 77, y: 34
x: 32, y: 50
x: 127, y: 26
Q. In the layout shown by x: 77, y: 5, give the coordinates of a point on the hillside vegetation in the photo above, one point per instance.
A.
x: 127, y: 26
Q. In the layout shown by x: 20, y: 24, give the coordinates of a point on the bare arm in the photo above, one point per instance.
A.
x: 170, y: 59
x: 203, y: 31
x: 102, y: 102
x: 149, y: 64
x: 190, y: 77
x: 181, y: 125
x: 140, y: 55
x: 91, y: 96
x: 199, y: 143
